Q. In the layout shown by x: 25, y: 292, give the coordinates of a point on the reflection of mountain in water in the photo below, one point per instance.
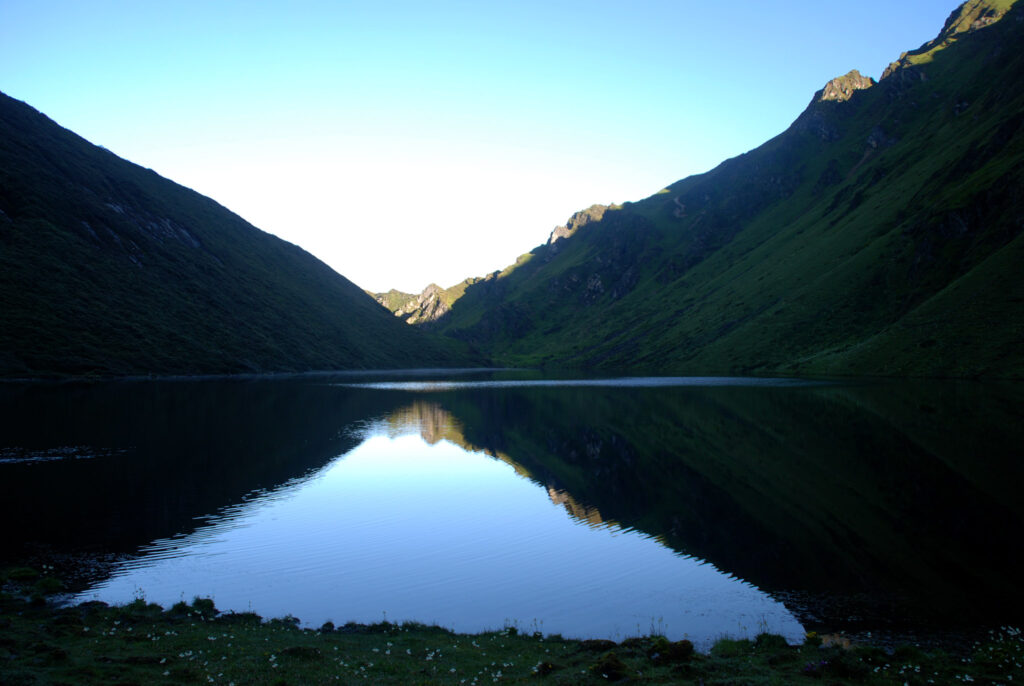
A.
x: 898, y: 499
x: 434, y: 423
x: 584, y: 513
x: 431, y: 421
x: 164, y: 454
x: 892, y: 499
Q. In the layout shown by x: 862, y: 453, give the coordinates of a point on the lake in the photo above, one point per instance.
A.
x: 588, y: 507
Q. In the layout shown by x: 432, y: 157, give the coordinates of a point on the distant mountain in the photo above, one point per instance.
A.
x: 434, y: 302
x: 107, y: 268
x: 431, y: 304
x: 880, y: 234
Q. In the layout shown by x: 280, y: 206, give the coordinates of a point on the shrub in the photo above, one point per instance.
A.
x: 728, y: 647
x: 49, y: 585
x: 204, y: 607
x: 770, y: 643
x: 22, y: 574
x: 609, y: 667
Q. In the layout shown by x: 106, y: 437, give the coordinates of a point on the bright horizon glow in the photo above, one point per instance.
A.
x: 406, y: 143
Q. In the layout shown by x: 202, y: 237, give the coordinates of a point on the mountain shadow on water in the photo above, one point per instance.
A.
x: 107, y: 468
x: 869, y: 506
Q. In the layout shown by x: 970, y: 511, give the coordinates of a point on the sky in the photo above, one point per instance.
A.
x: 405, y: 143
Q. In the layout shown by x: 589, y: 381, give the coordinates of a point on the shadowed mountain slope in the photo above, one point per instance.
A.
x: 880, y: 234
x: 108, y: 268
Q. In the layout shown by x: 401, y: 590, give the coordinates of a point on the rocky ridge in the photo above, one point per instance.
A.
x: 967, y: 18
x: 842, y: 88
x: 426, y: 306
x: 874, y: 236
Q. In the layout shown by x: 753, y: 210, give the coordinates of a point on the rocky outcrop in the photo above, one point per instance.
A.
x: 594, y: 213
x: 968, y: 17
x: 842, y: 88
x: 435, y: 302
x: 429, y: 305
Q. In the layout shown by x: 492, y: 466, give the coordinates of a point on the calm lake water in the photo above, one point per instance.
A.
x: 691, y: 507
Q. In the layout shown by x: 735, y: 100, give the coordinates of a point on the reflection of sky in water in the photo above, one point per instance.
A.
x: 401, y: 529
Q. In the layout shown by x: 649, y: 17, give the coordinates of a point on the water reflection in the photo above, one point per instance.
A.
x: 413, y: 524
x: 434, y: 423
x: 163, y: 454
x: 859, y: 505
x: 865, y: 506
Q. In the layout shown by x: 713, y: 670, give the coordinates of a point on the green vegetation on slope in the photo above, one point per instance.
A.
x: 435, y: 302
x: 107, y: 268
x: 879, y: 234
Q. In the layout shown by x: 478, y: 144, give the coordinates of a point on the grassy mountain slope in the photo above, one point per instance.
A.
x: 108, y: 268
x: 880, y: 234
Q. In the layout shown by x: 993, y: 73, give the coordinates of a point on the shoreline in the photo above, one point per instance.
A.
x: 59, y: 379
x: 145, y: 643
x: 77, y: 572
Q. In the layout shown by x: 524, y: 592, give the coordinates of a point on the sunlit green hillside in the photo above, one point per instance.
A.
x: 880, y: 234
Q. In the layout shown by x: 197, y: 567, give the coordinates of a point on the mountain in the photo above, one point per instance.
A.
x: 107, y: 268
x: 433, y: 303
x: 881, y: 233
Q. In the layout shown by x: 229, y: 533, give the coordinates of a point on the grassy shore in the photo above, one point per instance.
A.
x: 141, y: 643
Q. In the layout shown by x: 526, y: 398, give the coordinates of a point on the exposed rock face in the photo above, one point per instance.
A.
x: 416, y: 309
x: 430, y: 306
x: 968, y: 17
x: 842, y: 88
x: 594, y: 213
x: 819, y: 120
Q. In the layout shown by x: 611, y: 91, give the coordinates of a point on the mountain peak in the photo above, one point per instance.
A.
x: 879, y: 235
x: 968, y: 17
x: 577, y: 221
x: 430, y: 304
x: 841, y: 88
x: 971, y: 16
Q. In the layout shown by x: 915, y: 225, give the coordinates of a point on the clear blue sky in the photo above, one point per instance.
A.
x: 410, y: 142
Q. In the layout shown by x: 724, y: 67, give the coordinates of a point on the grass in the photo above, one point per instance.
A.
x: 875, y: 236
x: 108, y: 269
x: 42, y: 643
